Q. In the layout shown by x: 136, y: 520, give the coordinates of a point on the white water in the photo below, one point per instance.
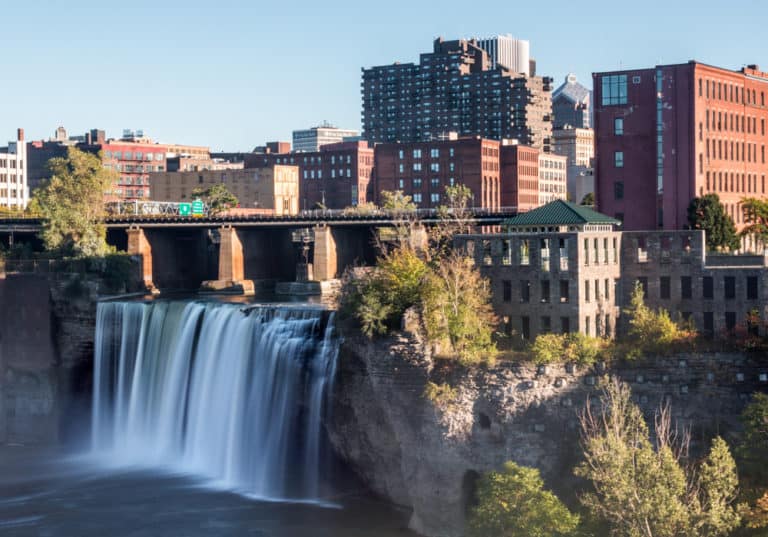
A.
x: 234, y: 394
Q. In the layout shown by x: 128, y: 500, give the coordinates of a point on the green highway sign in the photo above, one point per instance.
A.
x: 197, y: 208
x: 185, y: 209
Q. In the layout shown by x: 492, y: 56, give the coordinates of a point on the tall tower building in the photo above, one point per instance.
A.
x: 507, y: 52
x: 454, y: 89
x: 571, y: 105
x: 670, y: 133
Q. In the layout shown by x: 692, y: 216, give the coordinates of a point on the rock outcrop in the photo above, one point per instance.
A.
x: 428, y: 456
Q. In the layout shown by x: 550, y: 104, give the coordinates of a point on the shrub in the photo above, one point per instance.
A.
x: 573, y: 347
x: 653, y: 331
x: 443, y: 396
x: 548, y: 348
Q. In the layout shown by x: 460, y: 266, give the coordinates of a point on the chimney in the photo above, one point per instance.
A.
x: 20, y: 135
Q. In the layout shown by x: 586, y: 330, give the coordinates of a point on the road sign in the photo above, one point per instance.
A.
x: 197, y: 208
x: 185, y: 209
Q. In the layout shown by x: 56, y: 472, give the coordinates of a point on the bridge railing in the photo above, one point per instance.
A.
x: 147, y: 208
x: 419, y: 213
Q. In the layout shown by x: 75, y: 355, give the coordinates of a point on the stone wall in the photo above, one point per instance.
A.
x: 417, y: 455
x: 46, y: 355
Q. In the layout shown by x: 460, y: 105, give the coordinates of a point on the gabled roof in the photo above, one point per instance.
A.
x: 572, y: 91
x: 560, y: 213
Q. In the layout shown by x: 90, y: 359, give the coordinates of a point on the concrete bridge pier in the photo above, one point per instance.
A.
x: 231, y: 277
x: 325, y: 259
x: 138, y: 245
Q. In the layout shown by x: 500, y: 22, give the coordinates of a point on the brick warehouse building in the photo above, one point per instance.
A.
x: 337, y: 176
x: 455, y: 89
x: 674, y: 132
x: 497, y: 173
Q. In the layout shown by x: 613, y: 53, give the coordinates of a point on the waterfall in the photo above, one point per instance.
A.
x: 232, y: 393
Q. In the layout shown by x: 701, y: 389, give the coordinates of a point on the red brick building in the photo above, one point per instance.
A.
x: 422, y: 170
x: 337, y: 176
x: 520, y: 173
x: 674, y: 132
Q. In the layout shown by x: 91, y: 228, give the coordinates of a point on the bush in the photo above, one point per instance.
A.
x: 548, y: 348
x: 574, y: 347
x: 443, y: 396
x: 653, y: 332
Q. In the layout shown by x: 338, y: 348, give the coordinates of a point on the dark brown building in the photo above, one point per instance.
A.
x: 422, y: 170
x: 520, y: 173
x: 454, y: 89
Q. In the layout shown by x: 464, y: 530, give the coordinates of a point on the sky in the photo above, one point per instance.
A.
x: 234, y: 74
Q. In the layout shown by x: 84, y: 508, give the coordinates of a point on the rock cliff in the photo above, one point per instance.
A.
x: 428, y: 458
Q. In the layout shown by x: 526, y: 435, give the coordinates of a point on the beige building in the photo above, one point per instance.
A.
x: 552, y: 178
x: 578, y: 146
x: 273, y: 188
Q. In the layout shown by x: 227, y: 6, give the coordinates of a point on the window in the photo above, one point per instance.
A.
x: 564, y: 291
x: 400, y: 154
x: 730, y: 321
x: 586, y: 252
x: 707, y: 290
x: 751, y: 287
x: 417, y: 153
x: 434, y: 197
x: 618, y: 190
x: 614, y: 90
x: 544, y: 291
x: 686, y: 290
x: 565, y: 325
x: 546, y: 324
x: 417, y: 197
x: 434, y: 153
x: 507, y: 252
x: 525, y: 252
x: 506, y: 290
x: 709, y: 323
x: 417, y: 166
x: 664, y: 287
x: 618, y: 126
x: 586, y: 290
x: 526, y: 327
x: 525, y: 291
x: 618, y: 159
x: 434, y: 166
x: 587, y: 328
x: 607, y: 289
x: 417, y: 183
x: 730, y: 287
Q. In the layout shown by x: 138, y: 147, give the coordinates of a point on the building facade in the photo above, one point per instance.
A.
x: 423, y: 170
x: 14, y: 189
x: 454, y: 89
x: 555, y: 269
x: 311, y: 140
x: 272, y: 188
x: 507, y: 52
x: 553, y: 184
x: 335, y: 177
x: 571, y: 105
x: 520, y: 177
x: 674, y: 132
x: 578, y: 146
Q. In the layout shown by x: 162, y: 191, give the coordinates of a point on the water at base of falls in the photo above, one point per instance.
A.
x: 234, y: 394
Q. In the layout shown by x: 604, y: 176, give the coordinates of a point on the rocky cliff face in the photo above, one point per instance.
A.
x: 415, y: 454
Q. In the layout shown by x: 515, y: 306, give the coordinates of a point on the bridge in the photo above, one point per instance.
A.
x: 232, y: 252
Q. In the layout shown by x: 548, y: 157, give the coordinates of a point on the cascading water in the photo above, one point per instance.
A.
x: 236, y: 394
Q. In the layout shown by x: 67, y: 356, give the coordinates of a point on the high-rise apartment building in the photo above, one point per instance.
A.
x: 571, y: 105
x: 674, y: 132
x: 308, y: 140
x: 578, y: 146
x: 14, y: 191
x: 507, y: 52
x: 454, y: 89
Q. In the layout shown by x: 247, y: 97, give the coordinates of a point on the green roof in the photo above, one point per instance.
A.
x: 560, y: 213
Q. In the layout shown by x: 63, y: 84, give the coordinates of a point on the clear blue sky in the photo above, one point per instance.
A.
x: 234, y: 74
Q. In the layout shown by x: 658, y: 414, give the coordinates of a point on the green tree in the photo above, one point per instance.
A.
x: 71, y: 204
x: 453, y: 218
x: 588, y: 199
x: 652, y: 331
x: 756, y: 217
x: 513, y: 503
x: 643, y: 490
x: 456, y: 306
x: 218, y: 198
x: 397, y: 201
x: 708, y: 213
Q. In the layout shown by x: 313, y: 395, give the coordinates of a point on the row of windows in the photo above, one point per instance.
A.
x: 10, y: 193
x: 751, y: 288
x: 12, y: 163
x: 602, y: 325
x: 724, y: 91
x: 730, y: 122
x: 433, y: 153
x: 130, y: 155
x: 734, y: 182
x: 730, y: 150
x: 13, y: 178
x: 312, y: 174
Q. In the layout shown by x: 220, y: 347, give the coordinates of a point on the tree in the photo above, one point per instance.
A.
x: 453, y: 219
x: 71, y: 204
x: 396, y: 201
x: 756, y: 217
x: 708, y: 213
x: 753, y: 449
x: 456, y: 306
x: 218, y: 198
x: 588, y: 199
x: 513, y: 503
x: 643, y: 490
x: 652, y: 331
